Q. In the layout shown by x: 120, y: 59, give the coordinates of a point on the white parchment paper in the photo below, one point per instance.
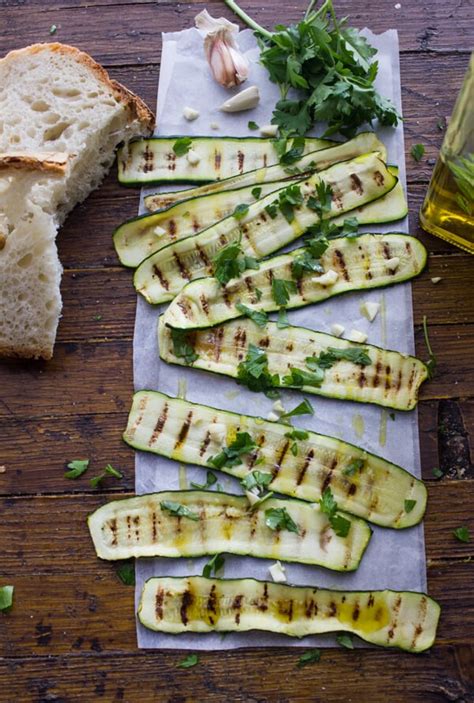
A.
x: 394, y: 559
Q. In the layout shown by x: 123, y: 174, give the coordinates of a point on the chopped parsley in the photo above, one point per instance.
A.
x: 328, y: 506
x: 256, y: 479
x: 345, y: 640
x: 312, y: 656
x: 125, y: 570
x: 282, y: 321
x: 437, y: 472
x: 272, y: 209
x: 462, y: 534
x: 213, y: 566
x: 409, y: 505
x: 304, y: 408
x: 182, y: 146
x: 77, y: 468
x: 353, y: 467
x: 252, y: 125
x: 182, y: 347
x: 231, y: 261
x: 253, y: 372
x: 296, y: 435
x: 211, y: 479
x: 240, y: 211
x: 258, y: 316
x: 281, y: 290
x: 289, y: 199
x: 108, y: 471
x: 417, y: 151
x: 279, y: 519
x: 322, y: 201
x: 179, y: 510
x: 189, y: 661
x: 256, y: 192
x: 258, y: 294
x: 356, y: 355
x: 299, y: 377
x: 293, y: 153
x: 6, y: 598
x: 232, y: 454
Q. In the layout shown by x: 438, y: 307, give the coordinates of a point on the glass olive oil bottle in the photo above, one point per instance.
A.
x: 448, y: 209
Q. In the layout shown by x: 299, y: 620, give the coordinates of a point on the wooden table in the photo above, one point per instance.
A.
x: 71, y: 633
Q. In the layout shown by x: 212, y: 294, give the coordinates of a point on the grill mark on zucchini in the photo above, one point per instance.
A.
x: 163, y: 280
x: 186, y: 602
x: 236, y: 605
x: 307, y: 461
x: 217, y: 160
x: 379, y: 178
x: 160, y: 597
x: 159, y: 425
x: 328, y: 477
x: 241, y: 160
x: 218, y: 343
x: 154, y: 532
x: 279, y: 461
x: 183, y: 433
x: 113, y: 528
x: 184, y: 273
x: 394, y: 622
x: 204, y: 303
x: 340, y: 263
x: 205, y: 444
x: 203, y: 256
x: 148, y: 158
x: 356, y: 184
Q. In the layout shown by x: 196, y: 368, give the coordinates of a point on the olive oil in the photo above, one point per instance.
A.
x: 446, y: 212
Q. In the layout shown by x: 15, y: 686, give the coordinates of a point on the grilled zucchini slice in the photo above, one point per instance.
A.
x: 192, y: 433
x: 142, y: 236
x: 391, y: 380
x: 221, y: 522
x: 403, y: 619
x: 360, y: 263
x: 313, y: 161
x: 151, y: 161
x: 162, y: 275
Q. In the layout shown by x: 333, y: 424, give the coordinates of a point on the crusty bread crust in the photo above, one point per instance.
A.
x: 136, y: 107
x: 49, y: 161
x: 25, y: 352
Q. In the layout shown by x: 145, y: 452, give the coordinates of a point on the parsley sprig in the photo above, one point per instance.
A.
x: 253, y: 372
x: 329, y: 65
x: 232, y: 454
x: 328, y: 506
x: 231, y: 261
x: 182, y: 345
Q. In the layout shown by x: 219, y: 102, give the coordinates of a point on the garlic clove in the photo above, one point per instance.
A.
x: 328, y: 278
x: 269, y: 130
x: 357, y: 336
x: 370, y: 310
x: 193, y: 157
x: 229, y: 66
x: 190, y: 114
x: 245, y: 100
x: 337, y: 330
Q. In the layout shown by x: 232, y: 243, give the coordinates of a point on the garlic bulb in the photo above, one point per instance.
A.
x: 228, y: 65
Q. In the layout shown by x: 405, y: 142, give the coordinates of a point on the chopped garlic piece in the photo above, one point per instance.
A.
x: 393, y: 263
x: 278, y: 408
x: 190, y: 114
x: 215, y: 125
x: 269, y: 130
x: 218, y: 432
x: 277, y: 572
x: 337, y: 330
x: 273, y: 417
x: 252, y: 497
x: 159, y: 231
x: 245, y: 100
x: 192, y: 157
x: 327, y: 279
x: 436, y: 279
x: 357, y: 336
x: 370, y: 310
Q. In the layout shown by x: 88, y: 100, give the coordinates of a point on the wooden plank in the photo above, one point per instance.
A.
x: 445, y: 674
x: 93, y: 611
x: 136, y: 32
x: 34, y: 529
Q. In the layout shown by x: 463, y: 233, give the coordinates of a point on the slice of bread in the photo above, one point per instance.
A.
x: 55, y: 98
x: 30, y: 271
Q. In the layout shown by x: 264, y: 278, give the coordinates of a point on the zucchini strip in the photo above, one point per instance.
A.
x: 312, y: 161
x: 376, y: 491
x: 221, y: 522
x: 361, y: 264
x: 162, y: 275
x: 391, y: 380
x: 153, y: 161
x: 177, y: 604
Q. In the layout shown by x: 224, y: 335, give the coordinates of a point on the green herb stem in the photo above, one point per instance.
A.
x: 247, y: 19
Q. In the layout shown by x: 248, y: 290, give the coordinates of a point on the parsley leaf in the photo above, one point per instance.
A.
x: 300, y: 377
x: 240, y: 211
x: 182, y: 347
x: 312, y: 656
x: 283, y: 321
x: 231, y: 455
x: 304, y: 408
x: 305, y: 262
x: 253, y: 372
x: 179, y: 510
x: 294, y: 153
x: 339, y: 524
x: 256, y: 192
x: 189, y: 661
x: 356, y: 355
x: 409, y: 505
x: 279, y: 519
x: 431, y: 363
x: 211, y: 479
x: 213, y: 566
x: 289, y: 199
x: 182, y: 146
x: 78, y: 467
x: 417, y: 151
x: 6, y: 597
x: 296, y: 435
x: 353, y: 467
x: 258, y: 316
x: 281, y: 290
x: 438, y: 473
x: 125, y: 570
x: 345, y: 641
x: 230, y: 262
x: 108, y: 471
x: 462, y: 534
x: 252, y: 125
x: 272, y: 209
x: 256, y: 479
